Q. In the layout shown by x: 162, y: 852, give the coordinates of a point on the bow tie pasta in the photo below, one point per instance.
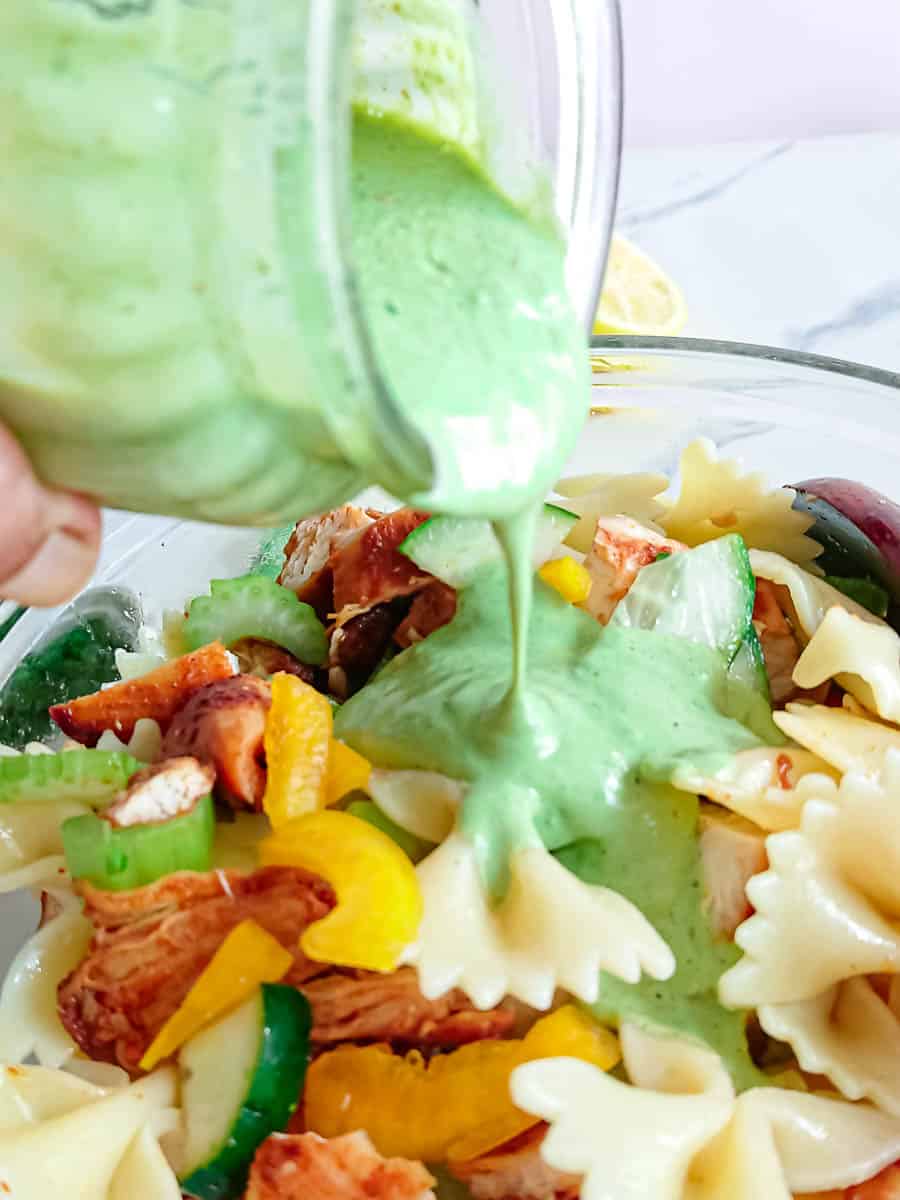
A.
x: 61, y: 1136
x: 827, y: 917
x: 706, y: 1143
x: 550, y: 930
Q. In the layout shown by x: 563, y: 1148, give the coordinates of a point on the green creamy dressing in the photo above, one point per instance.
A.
x: 465, y: 299
x: 577, y: 759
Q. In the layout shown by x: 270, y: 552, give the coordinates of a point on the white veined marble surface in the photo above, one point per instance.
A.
x: 790, y: 243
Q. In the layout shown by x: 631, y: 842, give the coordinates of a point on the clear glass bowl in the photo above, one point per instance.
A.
x: 791, y: 416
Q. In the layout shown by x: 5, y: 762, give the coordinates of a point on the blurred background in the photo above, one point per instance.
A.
x: 762, y: 167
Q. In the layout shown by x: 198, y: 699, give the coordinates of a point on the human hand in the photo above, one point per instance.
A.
x: 48, y: 539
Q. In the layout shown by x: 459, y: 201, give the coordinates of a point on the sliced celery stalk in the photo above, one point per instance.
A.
x: 255, y: 607
x: 119, y: 859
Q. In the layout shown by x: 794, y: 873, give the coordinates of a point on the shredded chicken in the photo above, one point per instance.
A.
x: 223, y: 724
x: 370, y: 569
x: 885, y: 1186
x: 308, y: 554
x: 780, y: 646
x: 359, y: 1006
x: 264, y: 659
x: 732, y: 851
x: 307, y: 1167
x: 161, y: 792
x: 357, y: 648
x: 151, y: 944
x: 621, y: 547
x: 516, y: 1171
x: 432, y: 608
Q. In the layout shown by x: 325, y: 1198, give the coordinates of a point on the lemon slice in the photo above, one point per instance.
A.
x: 638, y: 296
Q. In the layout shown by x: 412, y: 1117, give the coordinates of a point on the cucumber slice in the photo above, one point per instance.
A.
x: 454, y: 548
x: 90, y: 777
x: 255, y: 607
x: 749, y: 666
x: 119, y: 859
x: 269, y: 557
x: 704, y: 595
x: 241, y: 1080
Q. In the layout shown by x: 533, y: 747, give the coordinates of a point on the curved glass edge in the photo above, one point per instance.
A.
x: 611, y: 346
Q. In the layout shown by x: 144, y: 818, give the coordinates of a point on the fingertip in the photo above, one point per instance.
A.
x: 62, y: 562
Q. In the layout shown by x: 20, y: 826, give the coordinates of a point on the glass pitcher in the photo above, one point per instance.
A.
x: 181, y: 332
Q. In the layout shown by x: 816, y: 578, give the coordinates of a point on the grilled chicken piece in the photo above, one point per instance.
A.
x: 732, y: 851
x: 885, y: 1186
x: 308, y: 1167
x: 161, y: 792
x: 157, y: 695
x: 780, y: 646
x: 307, y: 566
x: 150, y: 945
x: 223, y: 725
x: 371, y: 570
x: 432, y: 608
x: 357, y: 648
x: 359, y: 1006
x: 621, y: 547
x: 516, y: 1171
x: 263, y: 659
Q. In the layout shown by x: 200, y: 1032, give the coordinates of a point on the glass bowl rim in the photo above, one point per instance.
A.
x: 744, y: 350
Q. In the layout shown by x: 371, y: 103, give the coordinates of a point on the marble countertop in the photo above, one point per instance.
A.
x: 791, y: 243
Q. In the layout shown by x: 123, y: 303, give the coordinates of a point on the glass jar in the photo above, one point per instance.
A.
x: 179, y: 303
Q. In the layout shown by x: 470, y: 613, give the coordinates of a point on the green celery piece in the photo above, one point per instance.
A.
x: 119, y: 859
x: 412, y: 846
x: 867, y: 592
x: 85, y: 776
x: 269, y: 557
x: 255, y: 607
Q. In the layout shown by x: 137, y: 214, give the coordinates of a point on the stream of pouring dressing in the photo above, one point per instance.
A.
x: 565, y: 732
x: 474, y: 316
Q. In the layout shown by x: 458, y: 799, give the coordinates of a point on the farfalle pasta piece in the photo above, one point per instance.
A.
x: 716, y: 498
x: 423, y: 803
x: 862, y: 656
x: 73, y: 1139
x: 827, y: 908
x: 629, y: 1143
x: 810, y: 596
x: 29, y: 1021
x: 847, y: 1033
x: 677, y: 1131
x: 550, y: 930
x: 846, y: 740
x: 144, y: 744
x: 595, y: 496
x: 762, y: 785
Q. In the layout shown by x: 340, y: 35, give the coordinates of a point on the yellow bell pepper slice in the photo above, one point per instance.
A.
x: 568, y: 577
x: 379, y: 904
x: 347, y: 772
x: 298, y: 743
x: 246, y: 958
x: 453, y: 1108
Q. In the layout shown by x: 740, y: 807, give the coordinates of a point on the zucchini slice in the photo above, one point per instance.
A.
x: 241, y: 1080
x: 454, y: 548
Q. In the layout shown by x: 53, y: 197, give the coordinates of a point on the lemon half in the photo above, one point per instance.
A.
x: 638, y: 297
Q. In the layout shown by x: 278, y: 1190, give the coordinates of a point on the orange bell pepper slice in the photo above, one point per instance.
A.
x: 453, y: 1108
x: 297, y: 740
x: 379, y: 903
x: 246, y: 958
